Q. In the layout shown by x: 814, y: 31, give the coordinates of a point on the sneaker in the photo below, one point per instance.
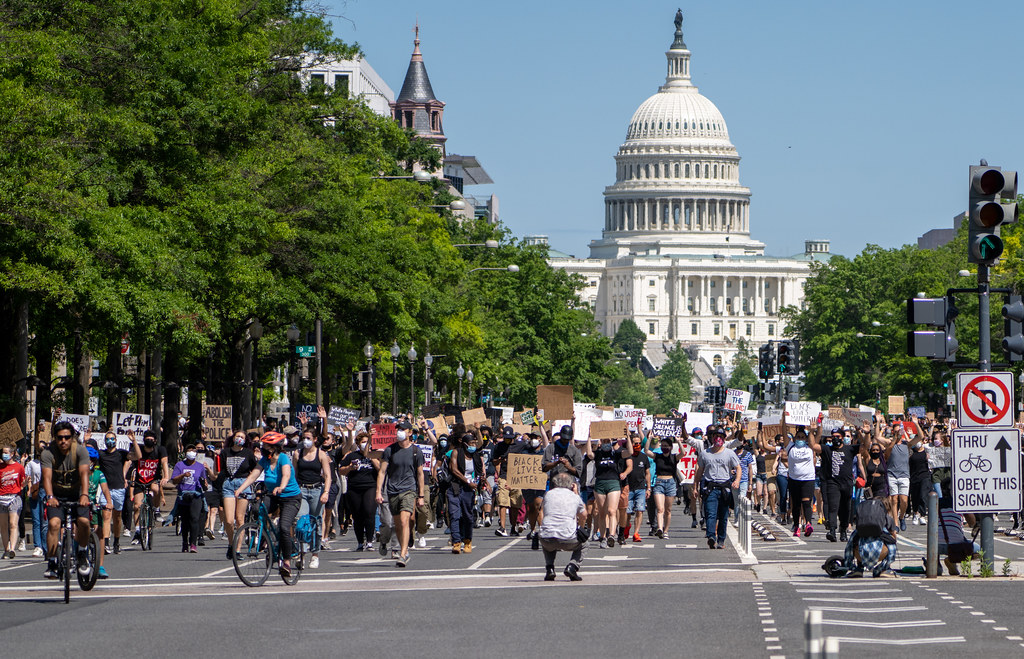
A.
x: 719, y: 546
x: 711, y: 543
x: 360, y: 547
x: 50, y: 573
x: 127, y: 533
x: 38, y: 552
x: 501, y: 532
x: 796, y: 533
x: 604, y: 544
x: 83, y: 563
x: 830, y: 536
x: 117, y: 545
x: 514, y: 533
x: 664, y: 536
x: 430, y: 525
x: 103, y: 573
x: 192, y: 549
x: 951, y: 567
x: 611, y: 541
x: 382, y: 549
x: 572, y: 572
x: 402, y: 561
x: 422, y: 542
x: 487, y: 521
x: 808, y: 530
x: 520, y: 528
x: 210, y: 534
x: 325, y: 544
x: 229, y: 555
x: 659, y: 533
x: 855, y: 573
x: 535, y: 542
x: 477, y: 524
x: 467, y: 547
x: 395, y: 554
x: 843, y: 537
x: 596, y: 537
x: 917, y: 519
x: 549, y: 573
x: 693, y: 524
x: 21, y: 545
x: 637, y: 538
x: 903, y: 523
x: 314, y: 563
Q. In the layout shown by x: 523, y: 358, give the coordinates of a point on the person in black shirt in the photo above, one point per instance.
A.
x: 114, y: 463
x: 837, y: 460
x: 361, y: 472
x: 665, y: 489
x: 612, y: 465
x: 639, y: 481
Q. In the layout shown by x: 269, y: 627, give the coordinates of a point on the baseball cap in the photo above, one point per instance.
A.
x: 508, y: 432
x: 290, y: 430
x: 566, y: 432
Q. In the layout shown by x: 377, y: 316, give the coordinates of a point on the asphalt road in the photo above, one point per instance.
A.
x: 659, y: 598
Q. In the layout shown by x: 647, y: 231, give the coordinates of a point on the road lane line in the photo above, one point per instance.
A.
x: 476, y: 566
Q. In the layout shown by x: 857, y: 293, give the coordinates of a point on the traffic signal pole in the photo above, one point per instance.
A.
x: 985, y: 365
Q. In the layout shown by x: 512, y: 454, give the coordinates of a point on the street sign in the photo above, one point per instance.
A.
x: 986, y: 470
x: 305, y: 351
x: 985, y: 400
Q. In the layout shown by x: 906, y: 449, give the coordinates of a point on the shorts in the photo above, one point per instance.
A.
x: 900, y: 486
x: 10, y: 503
x: 502, y: 496
x: 761, y: 478
x: 214, y: 498
x: 772, y: 487
x: 607, y: 487
x: 141, y: 488
x: 637, y: 501
x: 666, y: 486
x: 587, y: 494
x: 403, y: 501
x: 532, y: 495
x: 332, y: 494
x: 82, y: 512
x: 117, y: 498
x: 230, y: 488
x: 486, y: 498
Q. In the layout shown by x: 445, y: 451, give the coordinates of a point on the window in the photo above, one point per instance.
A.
x: 744, y: 283
x: 732, y: 331
x: 650, y: 282
x: 771, y: 329
x: 694, y: 328
x: 712, y: 283
x: 728, y: 304
x: 651, y: 329
x: 750, y: 329
x: 728, y: 283
x: 650, y: 304
x: 593, y: 282
x: 435, y: 121
x: 767, y: 306
x: 408, y: 119
x: 713, y: 304
x: 717, y: 329
x: 677, y: 164
x: 689, y: 304
x: 317, y: 79
x: 341, y: 84
x: 687, y: 170
x: 707, y: 171
x: 746, y: 304
x: 716, y: 360
x: 647, y: 171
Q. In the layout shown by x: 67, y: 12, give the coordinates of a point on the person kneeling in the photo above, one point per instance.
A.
x: 873, y: 545
x: 562, y: 528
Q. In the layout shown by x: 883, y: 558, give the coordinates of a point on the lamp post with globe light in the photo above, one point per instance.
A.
x: 460, y: 373
x: 368, y: 352
x: 469, y: 380
x: 412, y: 379
x: 428, y: 361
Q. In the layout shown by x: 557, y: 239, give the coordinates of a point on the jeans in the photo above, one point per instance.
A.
x: 462, y: 509
x: 837, y: 504
x: 552, y: 546
x: 736, y: 497
x: 782, y: 483
x: 717, y: 511
x: 38, y: 508
x: 311, y: 496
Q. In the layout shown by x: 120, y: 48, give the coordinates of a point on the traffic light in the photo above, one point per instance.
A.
x: 1013, y: 328
x: 934, y: 312
x: 986, y: 212
x: 766, y: 362
x: 789, y: 357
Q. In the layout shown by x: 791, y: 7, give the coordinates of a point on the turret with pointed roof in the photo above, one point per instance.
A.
x: 416, y: 106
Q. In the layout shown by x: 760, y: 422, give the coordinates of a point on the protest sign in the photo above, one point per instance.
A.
x: 338, y: 417
x: 608, y: 429
x: 736, y: 400
x: 524, y: 472
x: 895, y: 404
x: 836, y: 412
x: 917, y: 410
x: 555, y: 400
x: 125, y: 421
x: 217, y: 421
x: 475, y: 415
x: 79, y: 421
x: 828, y: 424
x: 667, y: 427
x: 585, y: 415
x: 43, y: 433
x: 506, y: 414
x: 802, y: 412
x: 687, y: 465
x: 521, y: 429
x: 308, y: 410
x: 770, y: 431
x: 10, y: 433
x: 857, y: 417
x: 438, y: 425
x: 382, y: 435
x: 450, y: 420
x: 635, y: 417
x: 428, y: 456
x: 684, y: 408
x: 526, y: 417
x: 700, y: 420
x: 432, y: 410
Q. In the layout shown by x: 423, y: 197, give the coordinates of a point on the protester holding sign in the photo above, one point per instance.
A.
x: 114, y: 463
x: 361, y: 470
x: 665, y: 491
x: 613, y: 462
x: 800, y: 453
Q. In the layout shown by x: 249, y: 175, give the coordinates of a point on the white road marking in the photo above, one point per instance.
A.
x: 857, y: 599
x: 476, y: 566
x: 883, y: 609
x: 16, y: 567
x: 893, y: 624
x: 902, y: 641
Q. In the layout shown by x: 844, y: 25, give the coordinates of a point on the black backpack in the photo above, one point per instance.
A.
x: 871, y: 518
x: 443, y: 474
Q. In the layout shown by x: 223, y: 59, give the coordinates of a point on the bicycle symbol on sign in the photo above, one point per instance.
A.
x: 975, y: 461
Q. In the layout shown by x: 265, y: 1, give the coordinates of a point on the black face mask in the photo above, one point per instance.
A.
x: 875, y: 454
x: 149, y: 442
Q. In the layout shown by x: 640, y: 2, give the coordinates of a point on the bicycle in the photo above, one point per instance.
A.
x: 146, y: 519
x: 977, y: 461
x: 255, y: 550
x: 67, y: 554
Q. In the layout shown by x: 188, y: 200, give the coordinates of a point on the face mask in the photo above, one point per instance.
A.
x: 800, y: 443
x: 7, y: 457
x: 111, y: 442
x: 401, y: 435
x: 362, y: 447
x: 190, y: 455
x: 936, y: 442
x: 534, y: 443
x: 718, y: 441
x: 239, y: 441
x: 307, y: 443
x: 470, y: 449
x: 875, y: 454
x: 441, y: 444
x: 149, y: 442
x: 846, y: 441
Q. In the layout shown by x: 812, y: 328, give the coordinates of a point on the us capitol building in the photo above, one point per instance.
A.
x: 676, y: 254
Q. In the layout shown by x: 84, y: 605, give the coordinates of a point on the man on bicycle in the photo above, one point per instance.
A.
x: 151, y: 473
x: 65, y: 468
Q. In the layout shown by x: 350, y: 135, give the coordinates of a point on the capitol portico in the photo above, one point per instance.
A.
x: 676, y: 254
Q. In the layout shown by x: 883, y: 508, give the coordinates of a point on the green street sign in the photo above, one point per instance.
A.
x: 305, y: 351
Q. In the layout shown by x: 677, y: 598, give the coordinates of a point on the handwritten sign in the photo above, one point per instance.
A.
x: 217, y: 421
x: 125, y: 421
x: 428, y: 456
x: 524, y: 472
x: 667, y: 427
x: 857, y: 417
x: 769, y: 431
x: 917, y: 410
x: 684, y: 408
x: 696, y: 420
x: 687, y: 466
x: 895, y: 404
x: 608, y: 429
x: 382, y: 435
x: 10, y: 433
x: 438, y: 425
x: 736, y: 400
x: 79, y: 421
x: 634, y: 417
x: 43, y: 433
x: 585, y: 415
x: 555, y: 400
x: 338, y: 417
x: 802, y: 412
x: 526, y: 417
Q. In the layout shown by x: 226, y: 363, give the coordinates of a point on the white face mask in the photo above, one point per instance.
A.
x: 534, y: 443
x: 401, y: 435
x: 190, y: 455
x: 362, y: 447
x: 239, y: 441
x: 307, y: 443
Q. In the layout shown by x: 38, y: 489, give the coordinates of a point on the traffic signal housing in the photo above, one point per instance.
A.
x: 986, y: 212
x: 1013, y: 328
x: 934, y: 312
x: 788, y: 360
x: 766, y: 362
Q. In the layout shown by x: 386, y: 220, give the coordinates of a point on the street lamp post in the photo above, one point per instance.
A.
x: 255, y: 334
x: 395, y: 352
x: 412, y: 379
x: 460, y: 373
x: 428, y: 383
x: 368, y: 351
x: 469, y: 380
x: 293, y: 371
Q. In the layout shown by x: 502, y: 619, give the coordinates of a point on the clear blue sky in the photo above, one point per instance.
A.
x: 855, y: 121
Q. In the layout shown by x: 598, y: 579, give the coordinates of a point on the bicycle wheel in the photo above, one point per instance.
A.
x: 251, y: 554
x: 69, y: 563
x: 984, y: 465
x: 86, y: 582
x: 146, y: 527
x: 297, y: 562
x: 965, y: 465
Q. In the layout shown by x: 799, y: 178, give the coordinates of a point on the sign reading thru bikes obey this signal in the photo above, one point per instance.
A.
x: 984, y: 400
x: 986, y: 470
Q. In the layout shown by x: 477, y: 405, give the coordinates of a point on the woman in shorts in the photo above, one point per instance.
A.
x: 612, y: 464
x: 664, y: 490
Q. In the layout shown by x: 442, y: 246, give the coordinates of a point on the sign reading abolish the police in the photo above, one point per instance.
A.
x: 524, y: 472
x: 986, y: 470
x: 217, y: 420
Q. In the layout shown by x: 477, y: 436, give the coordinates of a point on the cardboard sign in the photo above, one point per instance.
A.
x: 217, y: 421
x: 802, y: 412
x: 79, y: 421
x: 687, y: 466
x: 337, y: 417
x: 667, y: 427
x: 736, y: 400
x: 521, y: 429
x: 382, y: 435
x: 836, y: 412
x: 10, y: 433
x: 475, y: 415
x: 608, y: 429
x: 524, y: 472
x: 125, y: 421
x: 770, y: 431
x: 43, y: 434
x: 555, y: 400
x: 896, y: 405
x: 857, y: 417
x: 438, y: 425
x: 429, y: 411
x: 450, y: 420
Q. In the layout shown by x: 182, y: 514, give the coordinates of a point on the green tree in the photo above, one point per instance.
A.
x: 743, y: 374
x: 672, y: 385
x: 628, y: 386
x: 630, y: 339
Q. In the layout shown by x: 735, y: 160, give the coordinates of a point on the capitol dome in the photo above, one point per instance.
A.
x: 677, y: 188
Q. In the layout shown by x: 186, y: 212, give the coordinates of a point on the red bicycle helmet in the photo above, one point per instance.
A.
x: 273, y: 439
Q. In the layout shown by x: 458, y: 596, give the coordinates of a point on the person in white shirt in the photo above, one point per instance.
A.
x: 561, y: 528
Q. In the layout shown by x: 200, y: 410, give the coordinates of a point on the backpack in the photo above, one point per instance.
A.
x: 304, y: 529
x: 871, y: 518
x: 444, y: 470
